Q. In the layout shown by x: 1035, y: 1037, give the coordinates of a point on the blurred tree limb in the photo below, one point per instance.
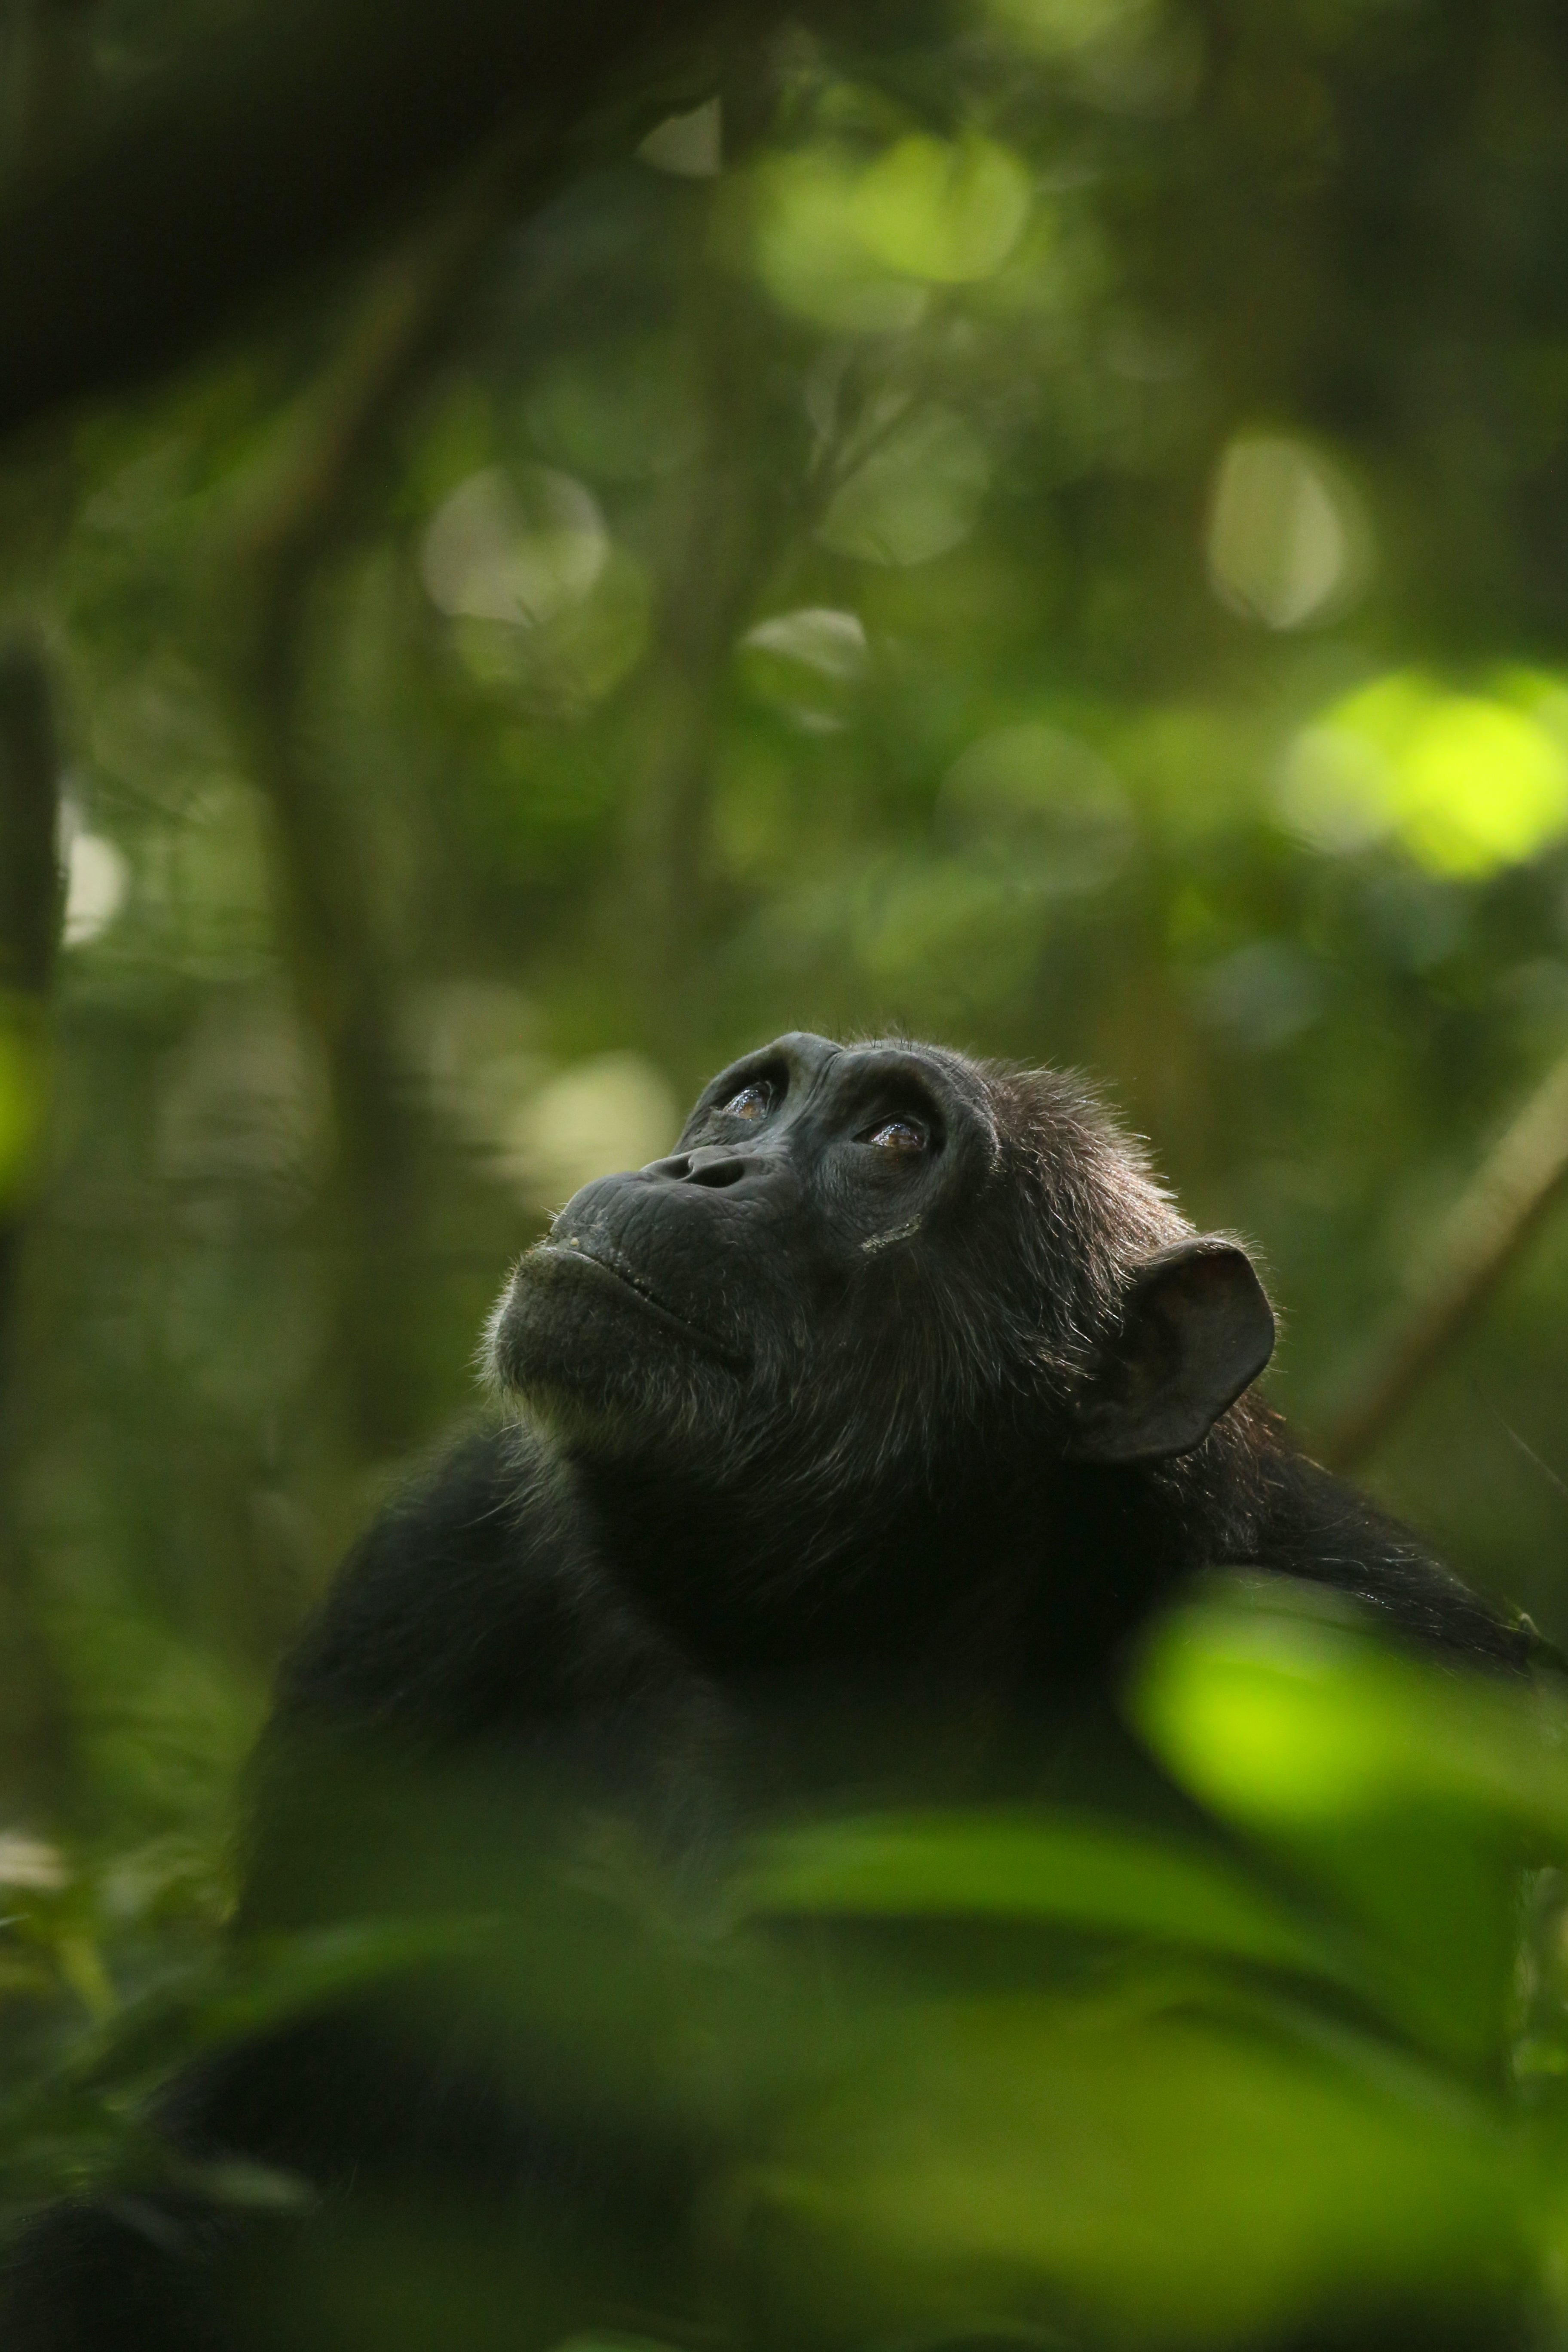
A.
x: 290, y: 518
x: 32, y: 1727
x: 265, y: 144
x: 29, y: 822
x: 724, y: 535
x: 46, y: 65
x: 1515, y: 1185
x: 290, y: 130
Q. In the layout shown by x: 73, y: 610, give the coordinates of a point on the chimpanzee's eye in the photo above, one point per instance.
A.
x: 898, y: 1135
x: 751, y: 1102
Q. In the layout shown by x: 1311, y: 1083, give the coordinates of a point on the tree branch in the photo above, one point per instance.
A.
x: 288, y: 523
x: 33, y: 1716
x: 1517, y: 1183
x: 268, y: 145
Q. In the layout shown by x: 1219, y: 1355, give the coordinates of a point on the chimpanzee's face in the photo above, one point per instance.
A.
x: 791, y: 1239
x: 865, y: 1263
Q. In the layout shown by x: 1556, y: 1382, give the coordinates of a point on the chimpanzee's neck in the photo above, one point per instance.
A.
x: 1020, y: 1574
x: 753, y: 1592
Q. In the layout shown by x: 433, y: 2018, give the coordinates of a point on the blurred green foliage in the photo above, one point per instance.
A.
x: 1034, y: 2076
x: 1046, y: 530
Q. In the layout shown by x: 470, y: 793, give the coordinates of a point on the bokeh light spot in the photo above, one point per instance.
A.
x: 1288, y: 543
x: 810, y: 255
x: 689, y: 146
x: 1262, y: 995
x: 1483, y: 786
x: 515, y: 548
x: 817, y: 637
x: 612, y: 1111
x: 852, y: 246
x: 1066, y: 27
x: 808, y: 664
x: 1467, y: 783
x: 916, y: 497
x: 97, y: 882
x: 946, y: 212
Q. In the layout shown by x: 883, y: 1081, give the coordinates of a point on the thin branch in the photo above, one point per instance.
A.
x: 29, y: 818
x: 33, y: 1718
x: 1516, y: 1184
x: 726, y: 528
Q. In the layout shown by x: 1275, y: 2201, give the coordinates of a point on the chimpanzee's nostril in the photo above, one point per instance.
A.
x: 716, y: 1173
x: 710, y: 1164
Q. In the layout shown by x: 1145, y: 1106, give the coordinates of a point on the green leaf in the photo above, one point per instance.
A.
x: 1080, y: 1871
x: 1278, y: 1706
x: 1414, y: 1793
x: 1167, y: 2179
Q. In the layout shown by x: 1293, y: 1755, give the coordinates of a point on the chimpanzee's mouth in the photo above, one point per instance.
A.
x: 612, y: 1270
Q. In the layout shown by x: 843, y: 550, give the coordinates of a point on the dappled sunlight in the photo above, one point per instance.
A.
x: 1288, y: 541
x: 1466, y: 784
x: 917, y: 496
x: 690, y: 145
x: 539, y: 598
x: 97, y: 881
x: 946, y: 212
x: 612, y: 1111
x: 851, y: 244
x: 809, y: 663
x: 499, y: 549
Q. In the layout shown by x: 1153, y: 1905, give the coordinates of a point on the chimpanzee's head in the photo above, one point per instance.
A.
x: 868, y: 1260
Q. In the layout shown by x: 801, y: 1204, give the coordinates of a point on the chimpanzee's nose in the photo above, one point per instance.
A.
x: 712, y: 1164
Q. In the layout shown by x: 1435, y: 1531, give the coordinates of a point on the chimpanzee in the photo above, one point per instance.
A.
x: 899, y: 1395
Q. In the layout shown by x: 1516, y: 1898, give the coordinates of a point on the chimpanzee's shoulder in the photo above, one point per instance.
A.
x: 479, y: 1583
x: 1331, y: 1534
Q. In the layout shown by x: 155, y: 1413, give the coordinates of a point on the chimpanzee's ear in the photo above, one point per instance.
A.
x: 1195, y: 1330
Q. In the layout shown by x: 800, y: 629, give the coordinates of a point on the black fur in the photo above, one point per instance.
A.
x: 900, y: 1397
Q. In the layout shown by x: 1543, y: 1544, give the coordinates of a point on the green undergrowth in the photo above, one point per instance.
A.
x: 1029, y: 2073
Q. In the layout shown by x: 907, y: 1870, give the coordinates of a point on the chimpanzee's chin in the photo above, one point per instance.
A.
x: 560, y: 1330
x: 600, y: 1362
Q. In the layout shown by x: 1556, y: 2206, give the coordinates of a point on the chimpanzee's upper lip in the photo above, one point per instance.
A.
x: 613, y: 1267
